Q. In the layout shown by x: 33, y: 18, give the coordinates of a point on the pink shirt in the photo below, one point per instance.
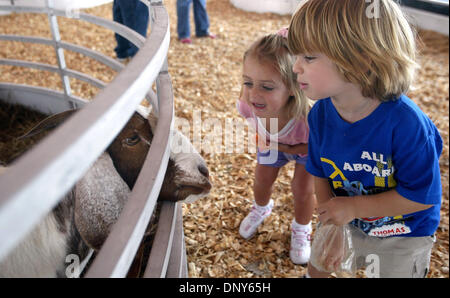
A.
x: 294, y: 132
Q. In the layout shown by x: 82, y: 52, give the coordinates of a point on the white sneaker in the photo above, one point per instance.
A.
x: 251, y: 222
x: 300, y: 243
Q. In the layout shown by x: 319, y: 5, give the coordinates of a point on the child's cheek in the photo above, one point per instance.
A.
x: 244, y: 94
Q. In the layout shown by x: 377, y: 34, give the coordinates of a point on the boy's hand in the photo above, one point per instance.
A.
x: 337, y: 211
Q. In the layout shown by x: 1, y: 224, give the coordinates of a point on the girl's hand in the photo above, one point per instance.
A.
x: 338, y: 211
x: 294, y: 149
x: 263, y: 144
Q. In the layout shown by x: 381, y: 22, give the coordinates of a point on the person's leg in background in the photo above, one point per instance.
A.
x: 141, y: 17
x: 134, y: 15
x: 201, y: 18
x: 183, y: 26
x: 122, y: 43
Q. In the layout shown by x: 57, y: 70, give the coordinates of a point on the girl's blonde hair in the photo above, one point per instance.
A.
x: 273, y: 49
x: 371, y: 43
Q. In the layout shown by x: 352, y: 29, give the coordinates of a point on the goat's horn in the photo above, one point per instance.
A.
x: 48, y: 123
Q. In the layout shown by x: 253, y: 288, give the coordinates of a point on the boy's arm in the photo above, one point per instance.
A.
x: 323, y: 190
x: 341, y: 210
x: 389, y: 203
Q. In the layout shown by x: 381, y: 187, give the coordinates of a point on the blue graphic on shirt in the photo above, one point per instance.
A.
x: 356, y: 188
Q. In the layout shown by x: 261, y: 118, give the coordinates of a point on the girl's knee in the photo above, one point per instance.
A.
x: 304, y: 198
x: 266, y: 175
x: 305, y: 187
x: 264, y: 181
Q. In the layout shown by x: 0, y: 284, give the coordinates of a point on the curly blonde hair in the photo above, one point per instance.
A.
x: 273, y: 49
x: 372, y: 44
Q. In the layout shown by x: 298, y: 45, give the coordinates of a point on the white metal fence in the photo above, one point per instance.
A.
x: 36, y: 182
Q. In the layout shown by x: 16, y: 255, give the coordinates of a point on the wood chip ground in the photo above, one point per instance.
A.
x: 206, y: 77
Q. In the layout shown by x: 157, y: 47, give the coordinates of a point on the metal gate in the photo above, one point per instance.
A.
x: 65, y: 155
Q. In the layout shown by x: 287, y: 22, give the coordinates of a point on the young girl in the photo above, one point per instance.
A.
x: 274, y: 105
x: 373, y: 152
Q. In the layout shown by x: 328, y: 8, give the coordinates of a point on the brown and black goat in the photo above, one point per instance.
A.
x: 85, y: 216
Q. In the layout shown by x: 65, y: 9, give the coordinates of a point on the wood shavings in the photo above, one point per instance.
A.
x: 206, y: 77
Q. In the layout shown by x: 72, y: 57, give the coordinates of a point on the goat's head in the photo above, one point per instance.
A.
x: 187, y: 176
x: 94, y: 204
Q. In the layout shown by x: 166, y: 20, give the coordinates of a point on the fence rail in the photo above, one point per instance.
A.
x: 53, y: 166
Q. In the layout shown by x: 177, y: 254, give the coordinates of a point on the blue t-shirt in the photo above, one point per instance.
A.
x: 396, y: 147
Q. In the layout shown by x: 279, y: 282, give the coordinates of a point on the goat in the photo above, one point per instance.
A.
x: 84, y: 217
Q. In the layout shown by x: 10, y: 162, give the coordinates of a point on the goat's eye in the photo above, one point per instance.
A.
x: 131, y: 141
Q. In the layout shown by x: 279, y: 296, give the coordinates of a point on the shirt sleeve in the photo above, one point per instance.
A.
x: 416, y: 162
x: 313, y: 164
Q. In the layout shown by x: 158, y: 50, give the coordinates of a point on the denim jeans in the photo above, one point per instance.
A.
x: 134, y: 15
x: 201, y: 18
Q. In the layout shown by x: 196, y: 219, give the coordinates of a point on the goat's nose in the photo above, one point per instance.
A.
x: 204, y: 170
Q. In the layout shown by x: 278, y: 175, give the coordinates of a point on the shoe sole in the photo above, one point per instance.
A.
x: 253, y: 235
x: 248, y: 238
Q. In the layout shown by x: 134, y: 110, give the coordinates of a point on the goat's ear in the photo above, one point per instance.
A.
x: 153, y: 120
x: 148, y: 113
x: 2, y: 169
x: 48, y: 123
x: 99, y: 199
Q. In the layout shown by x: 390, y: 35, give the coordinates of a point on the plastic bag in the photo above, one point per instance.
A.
x: 332, y: 250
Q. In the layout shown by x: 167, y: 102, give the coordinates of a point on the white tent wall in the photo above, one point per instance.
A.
x: 427, y: 20
x: 68, y: 5
x: 261, y: 6
x: 421, y: 18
